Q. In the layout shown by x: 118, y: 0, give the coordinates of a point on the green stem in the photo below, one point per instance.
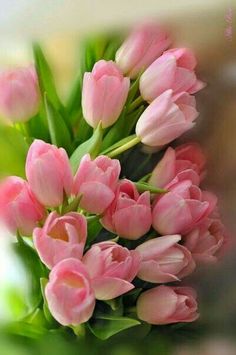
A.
x: 137, y: 102
x: 124, y: 147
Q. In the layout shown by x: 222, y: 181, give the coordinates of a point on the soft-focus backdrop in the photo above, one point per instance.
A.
x: 207, y: 26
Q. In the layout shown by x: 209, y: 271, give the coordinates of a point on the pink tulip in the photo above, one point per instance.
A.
x: 19, y: 209
x: 19, y: 94
x: 173, y: 70
x: 164, y: 260
x: 179, y: 210
x: 146, y: 43
x: 166, y: 305
x: 104, y: 93
x: 96, y: 182
x: 186, y: 162
x: 111, y: 268
x: 129, y: 215
x: 206, y: 241
x: 69, y: 294
x: 49, y: 173
x: 60, y: 238
x: 166, y: 118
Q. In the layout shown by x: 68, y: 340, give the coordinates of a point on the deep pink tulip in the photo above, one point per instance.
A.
x: 146, y: 43
x: 19, y: 209
x: 129, y: 215
x: 69, y: 293
x: 104, y: 93
x: 111, y: 268
x: 173, y: 70
x: 166, y: 118
x: 186, y: 162
x: 19, y: 94
x: 96, y: 182
x: 164, y: 260
x: 60, y: 238
x: 49, y: 173
x: 166, y: 305
x: 179, y: 210
x: 207, y: 240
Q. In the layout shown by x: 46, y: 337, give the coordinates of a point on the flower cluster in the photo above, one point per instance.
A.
x: 165, y: 223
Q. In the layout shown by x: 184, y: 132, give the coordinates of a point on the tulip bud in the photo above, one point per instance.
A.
x: 129, y: 215
x: 164, y: 260
x: 207, y: 240
x: 19, y: 95
x: 111, y: 268
x: 19, y: 209
x: 166, y: 118
x: 60, y: 238
x: 186, y: 162
x: 166, y: 305
x: 104, y: 93
x: 96, y: 182
x: 146, y: 43
x: 49, y: 173
x: 179, y: 210
x: 69, y: 294
x: 173, y: 70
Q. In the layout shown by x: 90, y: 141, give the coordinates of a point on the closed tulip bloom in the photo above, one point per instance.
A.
x: 104, y: 93
x: 60, y: 238
x: 69, y: 293
x: 164, y: 260
x: 173, y: 70
x: 146, y: 43
x: 111, y: 268
x: 19, y: 209
x: 179, y: 210
x: 166, y: 305
x: 129, y: 215
x: 185, y: 162
x: 96, y: 182
x: 19, y: 94
x: 166, y: 118
x: 207, y: 241
x: 49, y: 173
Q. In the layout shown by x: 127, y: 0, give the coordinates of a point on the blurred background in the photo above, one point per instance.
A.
x: 209, y: 28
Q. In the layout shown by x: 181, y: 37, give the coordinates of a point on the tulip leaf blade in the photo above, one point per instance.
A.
x: 59, y: 133
x: 103, y: 327
x: 91, y: 146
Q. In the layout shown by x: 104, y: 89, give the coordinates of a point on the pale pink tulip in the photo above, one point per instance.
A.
x: 186, y: 162
x: 104, y: 93
x: 19, y: 94
x: 173, y: 70
x: 111, y: 268
x: 60, y: 238
x: 166, y: 118
x: 179, y: 210
x: 69, y: 293
x: 129, y: 215
x: 19, y: 209
x: 164, y: 260
x: 166, y: 305
x: 207, y: 241
x: 49, y: 173
x: 96, y: 182
x: 146, y: 43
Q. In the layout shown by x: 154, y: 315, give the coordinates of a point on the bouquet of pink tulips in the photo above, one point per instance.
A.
x: 111, y: 250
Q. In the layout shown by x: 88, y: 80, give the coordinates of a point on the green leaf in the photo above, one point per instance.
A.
x: 37, y: 127
x: 104, y: 327
x: 60, y: 136
x: 13, y: 151
x: 94, y: 228
x: 91, y: 146
x: 143, y: 186
x: 47, y: 314
x: 118, y: 144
